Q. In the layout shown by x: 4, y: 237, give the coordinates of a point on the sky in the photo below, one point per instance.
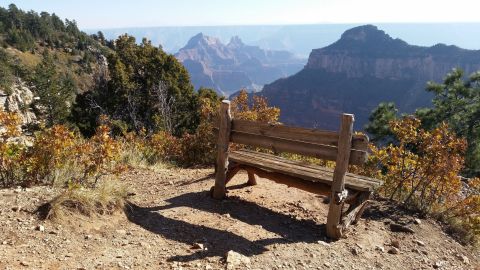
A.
x: 91, y: 14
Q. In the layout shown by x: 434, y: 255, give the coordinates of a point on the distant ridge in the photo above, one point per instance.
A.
x: 363, y: 68
x: 229, y: 68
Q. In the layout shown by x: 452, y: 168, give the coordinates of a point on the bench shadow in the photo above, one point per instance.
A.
x: 219, y: 242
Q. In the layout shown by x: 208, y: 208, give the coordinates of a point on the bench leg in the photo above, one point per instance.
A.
x: 339, y: 194
x: 225, y: 123
x: 252, y: 180
x: 233, y: 169
x: 355, y: 210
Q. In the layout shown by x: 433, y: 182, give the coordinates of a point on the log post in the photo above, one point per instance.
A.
x: 225, y: 124
x: 252, y: 180
x: 339, y: 194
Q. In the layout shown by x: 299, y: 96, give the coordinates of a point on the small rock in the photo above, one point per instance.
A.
x: 40, y: 228
x: 418, y: 242
x: 88, y: 237
x: 24, y: 263
x: 438, y: 264
x: 394, y: 227
x: 208, y: 267
x: 327, y: 264
x: 121, y: 232
x: 234, y: 259
x: 323, y: 243
x: 394, y: 250
x: 16, y: 208
x: 417, y: 221
x: 355, y: 251
x: 380, y: 248
x: 395, y: 243
x: 463, y: 258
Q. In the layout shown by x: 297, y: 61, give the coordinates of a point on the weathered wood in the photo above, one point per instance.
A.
x: 225, y: 123
x: 252, y: 181
x: 232, y: 170
x: 279, y: 145
x: 334, y: 229
x: 316, y: 171
x: 355, y: 210
x: 316, y: 136
x: 297, y: 169
x: 290, y: 181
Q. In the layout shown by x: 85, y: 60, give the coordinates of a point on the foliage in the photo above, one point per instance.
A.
x: 142, y: 79
x: 53, y: 150
x: 427, y: 178
x: 56, y: 91
x: 379, y: 122
x: 24, y: 29
x: 6, y: 72
x: 57, y: 156
x: 457, y: 102
x: 11, y: 153
x: 422, y: 171
x: 257, y: 111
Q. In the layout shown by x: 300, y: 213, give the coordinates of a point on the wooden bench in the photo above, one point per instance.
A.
x: 343, y: 147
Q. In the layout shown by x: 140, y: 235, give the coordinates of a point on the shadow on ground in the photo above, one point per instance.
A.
x: 219, y: 242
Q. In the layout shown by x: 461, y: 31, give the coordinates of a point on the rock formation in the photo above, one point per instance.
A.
x: 229, y: 68
x: 363, y: 68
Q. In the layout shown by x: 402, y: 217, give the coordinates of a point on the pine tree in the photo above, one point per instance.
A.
x: 56, y: 91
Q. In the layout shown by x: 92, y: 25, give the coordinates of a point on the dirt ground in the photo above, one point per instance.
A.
x: 172, y: 223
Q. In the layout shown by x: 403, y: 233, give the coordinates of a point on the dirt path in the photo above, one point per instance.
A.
x: 171, y: 223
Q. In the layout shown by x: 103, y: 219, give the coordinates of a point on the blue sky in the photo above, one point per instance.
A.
x: 123, y: 13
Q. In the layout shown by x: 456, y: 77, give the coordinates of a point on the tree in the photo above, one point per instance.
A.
x: 148, y: 89
x: 457, y: 103
x: 56, y: 91
x: 379, y: 123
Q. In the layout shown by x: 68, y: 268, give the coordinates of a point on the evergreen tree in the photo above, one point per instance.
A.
x: 132, y: 93
x: 457, y: 102
x: 56, y: 91
x: 378, y: 126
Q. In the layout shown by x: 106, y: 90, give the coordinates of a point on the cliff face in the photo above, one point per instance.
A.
x: 231, y: 67
x: 364, y: 67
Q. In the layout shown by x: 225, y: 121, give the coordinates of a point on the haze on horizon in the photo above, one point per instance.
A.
x: 104, y: 14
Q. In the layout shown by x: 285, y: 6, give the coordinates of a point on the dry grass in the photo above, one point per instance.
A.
x: 108, y: 197
x: 136, y: 158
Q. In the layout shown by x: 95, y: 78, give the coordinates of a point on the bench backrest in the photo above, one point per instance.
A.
x: 309, y: 142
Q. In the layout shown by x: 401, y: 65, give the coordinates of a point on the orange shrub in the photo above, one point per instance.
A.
x: 97, y: 156
x: 423, y: 172
x: 52, y: 150
x: 12, y: 154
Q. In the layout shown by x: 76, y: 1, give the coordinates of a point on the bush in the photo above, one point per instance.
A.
x: 422, y: 172
x: 12, y: 154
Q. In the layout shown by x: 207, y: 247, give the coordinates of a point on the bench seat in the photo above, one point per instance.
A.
x: 300, y: 169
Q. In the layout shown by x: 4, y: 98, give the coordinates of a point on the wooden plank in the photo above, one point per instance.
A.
x: 290, y: 181
x: 316, y: 136
x: 277, y: 145
x: 225, y: 120
x: 295, y: 170
x: 303, y: 165
x: 338, y: 186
